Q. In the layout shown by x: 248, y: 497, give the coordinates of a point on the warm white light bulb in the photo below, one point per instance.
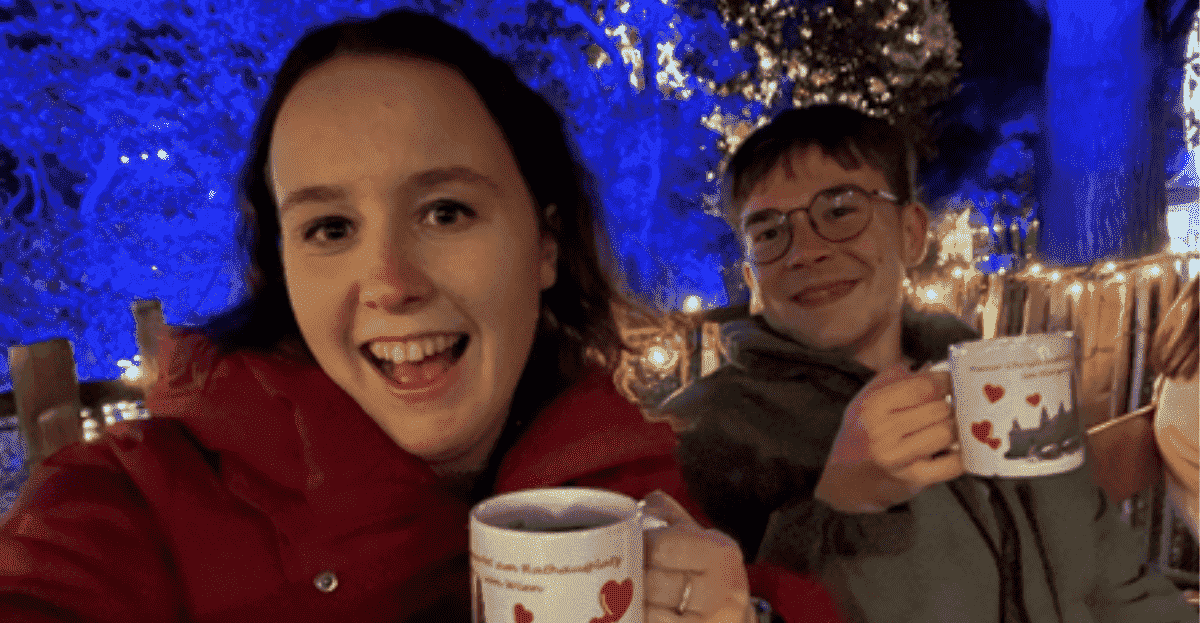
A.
x: 658, y: 358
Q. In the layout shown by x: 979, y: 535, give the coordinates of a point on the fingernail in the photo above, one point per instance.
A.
x: 656, y: 496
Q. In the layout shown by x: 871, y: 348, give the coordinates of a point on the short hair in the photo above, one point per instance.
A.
x: 577, y: 316
x: 1175, y: 349
x: 850, y: 137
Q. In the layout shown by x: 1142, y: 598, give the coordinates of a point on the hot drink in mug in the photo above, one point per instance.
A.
x: 558, y: 554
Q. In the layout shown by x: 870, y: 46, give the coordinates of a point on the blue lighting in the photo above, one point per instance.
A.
x: 1104, y: 186
x: 117, y: 175
x: 127, y: 121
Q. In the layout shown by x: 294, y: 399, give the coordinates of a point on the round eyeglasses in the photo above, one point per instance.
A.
x: 836, y: 214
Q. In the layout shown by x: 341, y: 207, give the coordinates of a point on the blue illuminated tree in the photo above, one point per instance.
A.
x: 127, y: 122
x: 119, y: 160
x: 631, y: 79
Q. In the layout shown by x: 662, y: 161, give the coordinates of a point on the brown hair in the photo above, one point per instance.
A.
x: 577, y: 312
x: 1175, y: 350
x: 844, y: 134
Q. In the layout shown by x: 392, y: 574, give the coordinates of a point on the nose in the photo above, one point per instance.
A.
x: 807, y: 247
x: 393, y: 280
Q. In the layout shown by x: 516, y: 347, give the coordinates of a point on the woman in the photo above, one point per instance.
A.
x: 426, y: 292
x: 1175, y: 356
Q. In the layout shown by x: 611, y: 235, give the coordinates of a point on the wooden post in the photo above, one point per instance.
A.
x: 43, y: 376
x: 1037, y: 306
x: 148, y: 316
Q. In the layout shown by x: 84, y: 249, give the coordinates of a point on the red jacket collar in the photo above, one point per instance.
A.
x: 588, y: 428
x: 291, y: 424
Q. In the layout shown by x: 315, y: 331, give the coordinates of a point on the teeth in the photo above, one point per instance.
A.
x: 411, y: 351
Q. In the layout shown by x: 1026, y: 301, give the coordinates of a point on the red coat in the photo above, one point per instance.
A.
x: 258, y: 475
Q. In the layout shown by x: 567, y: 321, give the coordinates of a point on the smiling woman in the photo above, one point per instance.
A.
x: 411, y: 249
x: 429, y: 324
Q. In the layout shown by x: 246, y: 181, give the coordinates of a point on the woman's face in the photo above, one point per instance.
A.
x: 411, y: 249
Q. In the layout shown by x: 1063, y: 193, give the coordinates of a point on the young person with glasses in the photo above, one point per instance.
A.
x: 825, y: 447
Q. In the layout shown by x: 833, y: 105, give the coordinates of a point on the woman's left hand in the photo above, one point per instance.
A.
x: 692, y: 574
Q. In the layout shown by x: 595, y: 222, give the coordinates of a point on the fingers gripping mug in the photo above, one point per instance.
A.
x: 563, y: 554
x: 1014, y: 400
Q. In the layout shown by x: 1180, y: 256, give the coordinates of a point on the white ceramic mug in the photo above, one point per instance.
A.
x: 1014, y: 400
x: 558, y: 554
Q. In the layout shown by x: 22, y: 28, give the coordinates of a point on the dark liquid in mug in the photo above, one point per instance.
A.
x: 576, y: 521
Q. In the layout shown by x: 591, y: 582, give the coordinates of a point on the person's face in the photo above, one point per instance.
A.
x: 834, y: 295
x: 411, y: 249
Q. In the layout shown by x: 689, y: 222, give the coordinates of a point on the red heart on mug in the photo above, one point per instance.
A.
x: 615, y: 598
x: 993, y: 392
x: 521, y: 615
x: 1033, y: 399
x: 983, y: 432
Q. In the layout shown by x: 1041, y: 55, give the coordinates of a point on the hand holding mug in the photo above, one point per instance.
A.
x: 692, y: 574
x: 895, y: 441
x: 595, y: 556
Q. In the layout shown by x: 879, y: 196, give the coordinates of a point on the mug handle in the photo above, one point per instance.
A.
x: 944, y: 366
x: 648, y: 522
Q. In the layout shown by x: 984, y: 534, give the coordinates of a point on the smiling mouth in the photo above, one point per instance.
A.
x: 416, y: 364
x: 824, y: 295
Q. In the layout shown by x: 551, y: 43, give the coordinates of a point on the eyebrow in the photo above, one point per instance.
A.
x: 437, y: 177
x: 758, y: 216
x: 312, y: 194
x: 424, y: 180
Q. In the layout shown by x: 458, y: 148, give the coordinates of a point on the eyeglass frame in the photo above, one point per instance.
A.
x: 786, y: 218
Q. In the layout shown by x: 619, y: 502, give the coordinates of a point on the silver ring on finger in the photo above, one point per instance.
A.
x: 681, y: 608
